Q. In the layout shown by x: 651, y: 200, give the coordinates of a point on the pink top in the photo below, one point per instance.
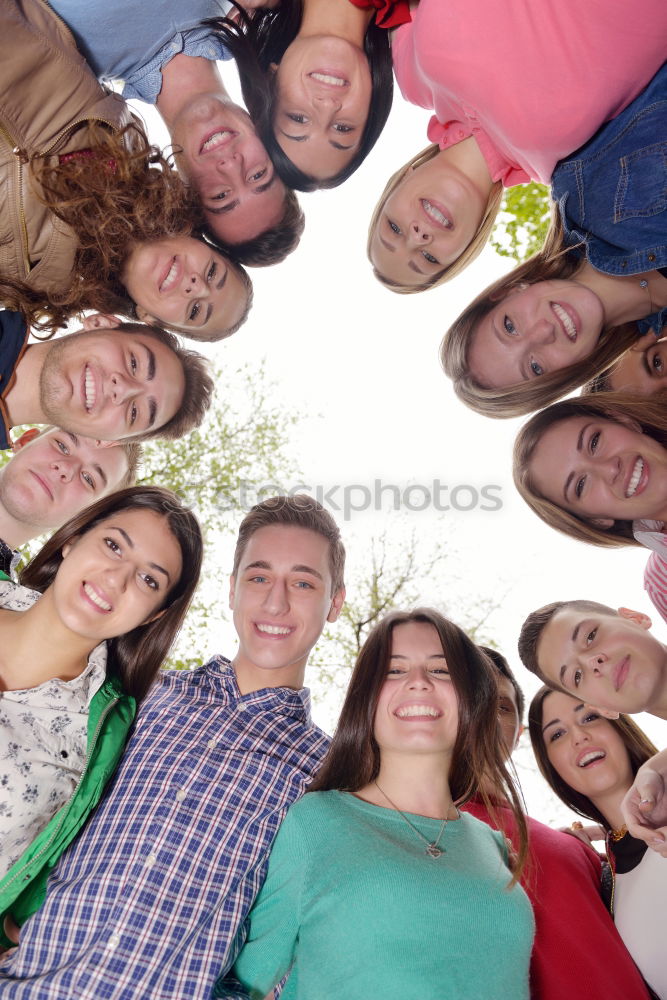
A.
x: 532, y: 80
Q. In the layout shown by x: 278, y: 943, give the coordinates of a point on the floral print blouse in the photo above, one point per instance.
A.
x: 43, y: 738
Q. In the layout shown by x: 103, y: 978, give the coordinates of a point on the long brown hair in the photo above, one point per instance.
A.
x: 636, y: 742
x: 353, y: 759
x: 136, y: 657
x: 554, y: 260
x: 124, y: 194
x: 471, y: 252
x: 648, y: 413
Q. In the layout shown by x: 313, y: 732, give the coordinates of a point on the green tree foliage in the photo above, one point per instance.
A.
x: 522, y: 222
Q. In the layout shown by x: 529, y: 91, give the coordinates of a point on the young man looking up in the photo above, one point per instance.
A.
x: 609, y: 660
x: 577, y: 950
x: 51, y: 477
x: 127, y: 381
x: 150, y: 901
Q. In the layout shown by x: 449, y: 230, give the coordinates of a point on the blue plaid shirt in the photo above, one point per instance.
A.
x: 150, y: 901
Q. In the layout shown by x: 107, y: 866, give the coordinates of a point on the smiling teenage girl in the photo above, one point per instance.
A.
x: 82, y: 639
x: 516, y: 87
x: 600, y: 280
x: 82, y: 189
x: 317, y: 80
x: 377, y: 860
x: 595, y: 468
x: 590, y: 763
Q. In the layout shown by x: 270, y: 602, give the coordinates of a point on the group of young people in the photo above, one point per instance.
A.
x: 193, y: 833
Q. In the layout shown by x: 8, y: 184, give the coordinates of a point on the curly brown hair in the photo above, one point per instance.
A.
x: 124, y: 194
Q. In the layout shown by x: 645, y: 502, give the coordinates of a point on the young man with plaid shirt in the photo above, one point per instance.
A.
x: 151, y: 899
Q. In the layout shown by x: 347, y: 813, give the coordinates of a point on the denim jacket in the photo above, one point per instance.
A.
x: 612, y: 193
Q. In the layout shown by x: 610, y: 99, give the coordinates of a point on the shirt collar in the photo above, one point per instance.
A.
x: 293, y: 702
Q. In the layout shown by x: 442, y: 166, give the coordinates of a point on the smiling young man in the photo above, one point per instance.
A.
x: 563, y: 882
x: 168, y: 58
x: 53, y: 476
x: 127, y: 381
x: 151, y: 899
x: 607, y: 658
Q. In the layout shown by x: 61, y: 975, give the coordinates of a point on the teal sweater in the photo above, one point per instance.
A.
x: 354, y: 903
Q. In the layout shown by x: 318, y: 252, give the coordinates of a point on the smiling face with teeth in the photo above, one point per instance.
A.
x: 428, y: 220
x: 116, y: 576
x: 110, y: 384
x: 585, y: 750
x: 323, y: 94
x: 281, y: 598
x: 182, y: 282
x: 417, y: 709
x: 223, y: 158
x: 601, y: 470
x: 535, y: 330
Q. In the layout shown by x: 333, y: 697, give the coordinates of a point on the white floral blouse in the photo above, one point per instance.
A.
x: 43, y: 737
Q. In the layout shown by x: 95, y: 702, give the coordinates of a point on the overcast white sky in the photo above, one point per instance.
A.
x: 359, y: 366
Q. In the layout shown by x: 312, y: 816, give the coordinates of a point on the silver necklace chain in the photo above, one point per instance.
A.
x: 432, y: 848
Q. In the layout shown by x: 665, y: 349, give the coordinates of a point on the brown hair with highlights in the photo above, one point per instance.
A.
x: 647, y: 414
x: 298, y: 511
x: 553, y: 261
x: 126, y: 193
x: 471, y: 252
x: 636, y: 742
x: 353, y: 760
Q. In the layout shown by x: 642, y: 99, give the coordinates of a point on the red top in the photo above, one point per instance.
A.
x: 390, y: 13
x: 577, y: 950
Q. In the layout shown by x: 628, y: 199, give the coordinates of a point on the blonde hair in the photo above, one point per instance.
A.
x: 650, y: 418
x: 553, y: 261
x: 473, y: 249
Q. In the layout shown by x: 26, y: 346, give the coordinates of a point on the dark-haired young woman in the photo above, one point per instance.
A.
x: 377, y: 885
x: 81, y: 640
x: 317, y: 80
x: 590, y: 763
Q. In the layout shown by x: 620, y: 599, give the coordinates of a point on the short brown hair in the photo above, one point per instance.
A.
x: 133, y: 453
x: 466, y: 257
x: 272, y: 245
x: 197, y: 391
x: 299, y: 511
x: 636, y: 742
x: 537, y: 621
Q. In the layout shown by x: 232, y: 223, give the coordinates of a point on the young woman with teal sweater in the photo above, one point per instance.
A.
x: 377, y: 885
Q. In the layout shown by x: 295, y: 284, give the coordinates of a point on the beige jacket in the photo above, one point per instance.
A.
x: 47, y: 94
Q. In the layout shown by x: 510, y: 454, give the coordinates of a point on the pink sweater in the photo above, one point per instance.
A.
x: 532, y: 80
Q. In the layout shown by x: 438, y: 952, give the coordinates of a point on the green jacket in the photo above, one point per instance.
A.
x: 23, y: 888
